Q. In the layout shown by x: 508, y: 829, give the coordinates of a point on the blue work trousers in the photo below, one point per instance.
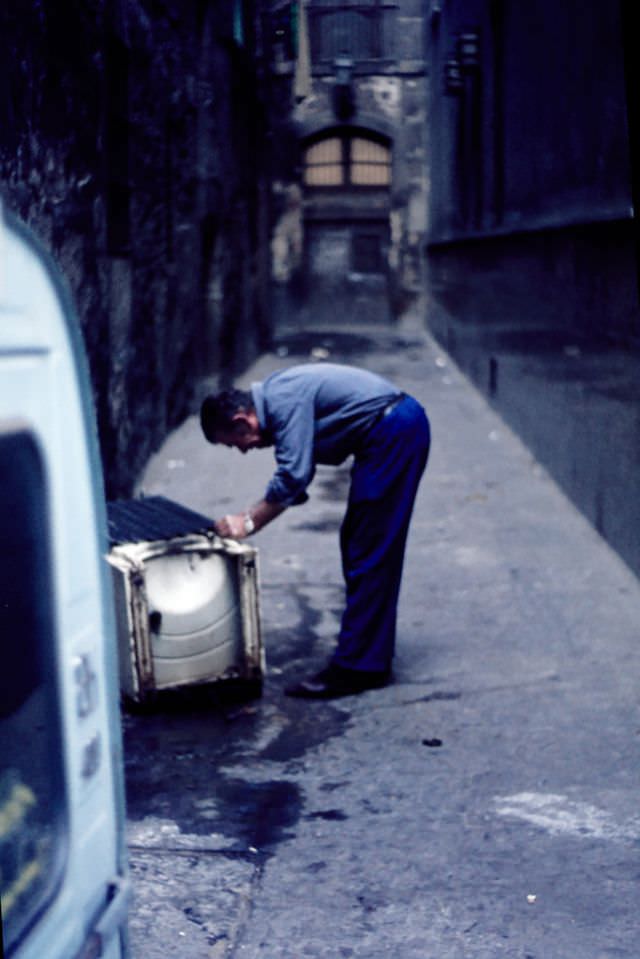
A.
x: 384, y: 482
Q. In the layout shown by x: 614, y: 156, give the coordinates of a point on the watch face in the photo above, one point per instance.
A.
x: 249, y: 525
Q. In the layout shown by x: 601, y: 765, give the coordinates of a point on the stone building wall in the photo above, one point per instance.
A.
x: 387, y: 95
x: 130, y: 141
x: 531, y: 207
x: 533, y: 243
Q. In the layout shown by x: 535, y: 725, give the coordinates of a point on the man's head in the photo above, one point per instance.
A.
x: 230, y: 418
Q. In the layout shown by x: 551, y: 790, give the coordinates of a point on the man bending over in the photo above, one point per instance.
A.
x: 323, y: 413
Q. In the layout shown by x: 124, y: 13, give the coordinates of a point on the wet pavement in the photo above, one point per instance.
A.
x: 482, y: 806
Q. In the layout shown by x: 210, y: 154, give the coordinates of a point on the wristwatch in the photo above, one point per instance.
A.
x: 249, y: 525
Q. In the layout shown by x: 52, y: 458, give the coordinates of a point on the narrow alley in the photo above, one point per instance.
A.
x: 193, y: 195
x: 481, y: 806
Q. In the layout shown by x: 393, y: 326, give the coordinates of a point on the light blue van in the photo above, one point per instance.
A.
x: 63, y: 877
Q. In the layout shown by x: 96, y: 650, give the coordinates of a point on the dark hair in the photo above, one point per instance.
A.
x: 218, y: 409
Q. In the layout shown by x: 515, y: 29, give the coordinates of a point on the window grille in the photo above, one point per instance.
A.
x: 323, y: 163
x: 347, y: 160
x: 370, y: 163
x: 349, y: 33
x: 358, y: 30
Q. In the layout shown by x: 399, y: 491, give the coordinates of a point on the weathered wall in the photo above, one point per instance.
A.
x: 130, y: 140
x: 531, y: 259
x: 529, y: 166
x: 388, y: 98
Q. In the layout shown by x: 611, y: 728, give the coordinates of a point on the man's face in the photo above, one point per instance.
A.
x: 244, y: 435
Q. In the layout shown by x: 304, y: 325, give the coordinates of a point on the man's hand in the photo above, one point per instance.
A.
x: 232, y: 526
x: 235, y: 526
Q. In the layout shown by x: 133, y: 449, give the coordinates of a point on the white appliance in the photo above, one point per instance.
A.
x: 187, y: 601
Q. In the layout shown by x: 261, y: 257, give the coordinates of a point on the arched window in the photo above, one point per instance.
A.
x: 347, y: 158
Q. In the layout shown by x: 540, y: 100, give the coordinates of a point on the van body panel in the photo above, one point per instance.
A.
x: 58, y: 524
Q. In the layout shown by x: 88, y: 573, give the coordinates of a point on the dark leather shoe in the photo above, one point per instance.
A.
x: 335, y: 681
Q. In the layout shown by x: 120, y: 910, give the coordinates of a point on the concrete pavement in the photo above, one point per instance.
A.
x: 485, y: 804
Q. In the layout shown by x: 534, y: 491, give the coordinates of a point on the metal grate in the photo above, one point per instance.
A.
x: 151, y: 519
x: 357, y: 32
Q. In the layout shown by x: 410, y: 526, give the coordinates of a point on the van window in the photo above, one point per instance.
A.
x: 32, y: 788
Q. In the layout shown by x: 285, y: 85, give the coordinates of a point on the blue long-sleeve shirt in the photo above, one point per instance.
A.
x: 315, y: 413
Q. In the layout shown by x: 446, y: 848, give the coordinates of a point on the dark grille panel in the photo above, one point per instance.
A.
x: 151, y: 519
